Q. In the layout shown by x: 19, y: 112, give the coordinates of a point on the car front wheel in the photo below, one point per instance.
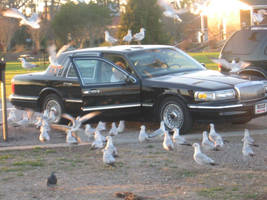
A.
x: 175, y: 114
x: 53, y: 102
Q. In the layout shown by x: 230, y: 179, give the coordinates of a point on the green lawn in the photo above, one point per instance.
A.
x: 13, y: 68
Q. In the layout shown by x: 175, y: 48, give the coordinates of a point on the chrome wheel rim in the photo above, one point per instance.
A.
x: 173, y: 116
x: 54, y: 105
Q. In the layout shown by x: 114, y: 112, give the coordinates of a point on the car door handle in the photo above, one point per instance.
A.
x: 91, y: 91
x: 67, y: 84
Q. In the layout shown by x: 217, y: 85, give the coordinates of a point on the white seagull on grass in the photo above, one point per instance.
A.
x: 200, y: 157
x: 206, y: 143
x: 178, y: 139
x: 215, y: 137
x: 114, y: 130
x: 167, y: 142
x: 108, y: 158
x: 159, y: 131
x: 247, y: 150
x: 110, y: 146
x: 121, y: 126
x: 27, y: 65
x: 143, y: 136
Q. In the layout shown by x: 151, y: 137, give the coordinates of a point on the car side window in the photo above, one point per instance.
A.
x: 71, y: 72
x: 94, y: 71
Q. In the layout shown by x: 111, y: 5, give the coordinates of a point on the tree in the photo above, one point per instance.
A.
x: 6, y: 33
x: 143, y: 13
x: 80, y: 21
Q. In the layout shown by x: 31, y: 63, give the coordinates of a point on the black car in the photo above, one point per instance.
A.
x: 150, y: 82
x: 248, y: 45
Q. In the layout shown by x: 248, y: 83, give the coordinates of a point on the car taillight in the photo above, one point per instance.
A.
x: 12, y: 88
x: 219, y: 67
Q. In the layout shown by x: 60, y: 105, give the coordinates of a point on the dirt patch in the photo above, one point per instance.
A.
x: 146, y: 170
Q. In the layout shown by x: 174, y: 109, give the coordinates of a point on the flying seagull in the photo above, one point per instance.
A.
x: 109, y: 38
x: 54, y: 55
x: 231, y: 66
x: 27, y: 65
x: 32, y: 21
x: 200, y: 157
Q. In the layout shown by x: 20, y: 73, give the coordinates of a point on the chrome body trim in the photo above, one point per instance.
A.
x: 93, y: 108
x: 19, y: 97
x: 214, y: 107
x: 147, y: 104
x: 73, y: 100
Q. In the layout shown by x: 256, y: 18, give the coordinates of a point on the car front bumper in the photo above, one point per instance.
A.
x: 228, y: 112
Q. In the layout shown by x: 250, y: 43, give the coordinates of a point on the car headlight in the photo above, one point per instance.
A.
x: 214, y: 95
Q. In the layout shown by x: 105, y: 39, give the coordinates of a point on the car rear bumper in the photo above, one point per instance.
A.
x: 228, y: 112
x: 24, y: 102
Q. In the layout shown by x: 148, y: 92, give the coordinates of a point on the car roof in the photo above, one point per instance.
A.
x: 96, y: 51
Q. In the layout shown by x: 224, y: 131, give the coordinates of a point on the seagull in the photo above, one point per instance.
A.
x: 167, y: 142
x: 258, y: 17
x: 98, y: 140
x: 52, y: 180
x: 12, y: 116
x: 128, y: 38
x: 53, y: 54
x: 121, y: 126
x: 32, y: 21
x: 206, y: 143
x: 101, y: 126
x: 24, y: 122
x: 89, y: 131
x: 247, y: 138
x: 110, y: 146
x: 177, y: 139
x: 169, y: 11
x: 114, y: 130
x: 27, y: 65
x: 77, y: 122
x: 247, y: 150
x: 233, y: 66
x: 143, y: 136
x: 200, y: 157
x: 139, y: 36
x: 69, y: 138
x: 109, y: 38
x: 44, y: 136
x: 215, y: 137
x: 108, y: 158
x: 159, y: 131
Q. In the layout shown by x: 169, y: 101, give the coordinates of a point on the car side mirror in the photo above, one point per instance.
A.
x: 129, y: 80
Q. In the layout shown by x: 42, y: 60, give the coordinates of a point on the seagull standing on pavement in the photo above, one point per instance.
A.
x: 128, y: 38
x: 27, y: 65
x: 200, y: 157
x: 109, y: 38
x: 89, y: 131
x: 143, y: 136
x: 121, y: 126
x: 247, y: 150
x: 110, y: 146
x: 206, y: 143
x: 32, y: 21
x: 167, y: 142
x: 44, y: 136
x: 247, y: 137
x: 178, y: 139
x: 114, y: 130
x: 138, y: 37
x: 215, y: 137
x: 99, y: 140
x: 70, y: 139
x: 108, y: 158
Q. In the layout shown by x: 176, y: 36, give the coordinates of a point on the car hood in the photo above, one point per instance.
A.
x: 202, y: 80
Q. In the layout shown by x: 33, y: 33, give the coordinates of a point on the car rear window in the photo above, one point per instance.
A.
x: 244, y: 42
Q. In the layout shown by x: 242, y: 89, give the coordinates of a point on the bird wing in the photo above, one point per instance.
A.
x: 60, y: 127
x: 203, y: 158
x: 222, y: 62
x: 13, y: 12
x: 69, y: 117
x: 88, y: 116
x: 34, y: 18
x: 62, y: 49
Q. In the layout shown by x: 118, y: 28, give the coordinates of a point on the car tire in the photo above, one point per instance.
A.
x: 53, y: 100
x: 175, y: 114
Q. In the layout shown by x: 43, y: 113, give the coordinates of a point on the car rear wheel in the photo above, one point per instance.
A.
x: 53, y: 102
x: 175, y: 114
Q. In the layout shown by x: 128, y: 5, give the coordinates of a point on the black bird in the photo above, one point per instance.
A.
x: 52, y: 179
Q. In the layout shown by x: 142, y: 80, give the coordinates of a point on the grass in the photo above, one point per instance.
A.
x: 14, y: 68
x: 31, y: 163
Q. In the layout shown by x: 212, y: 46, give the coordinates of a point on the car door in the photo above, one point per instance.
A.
x: 106, y: 87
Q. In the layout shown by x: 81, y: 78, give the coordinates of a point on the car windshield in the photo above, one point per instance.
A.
x: 162, y: 61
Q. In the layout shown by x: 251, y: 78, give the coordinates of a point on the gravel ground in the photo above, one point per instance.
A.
x: 143, y: 169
